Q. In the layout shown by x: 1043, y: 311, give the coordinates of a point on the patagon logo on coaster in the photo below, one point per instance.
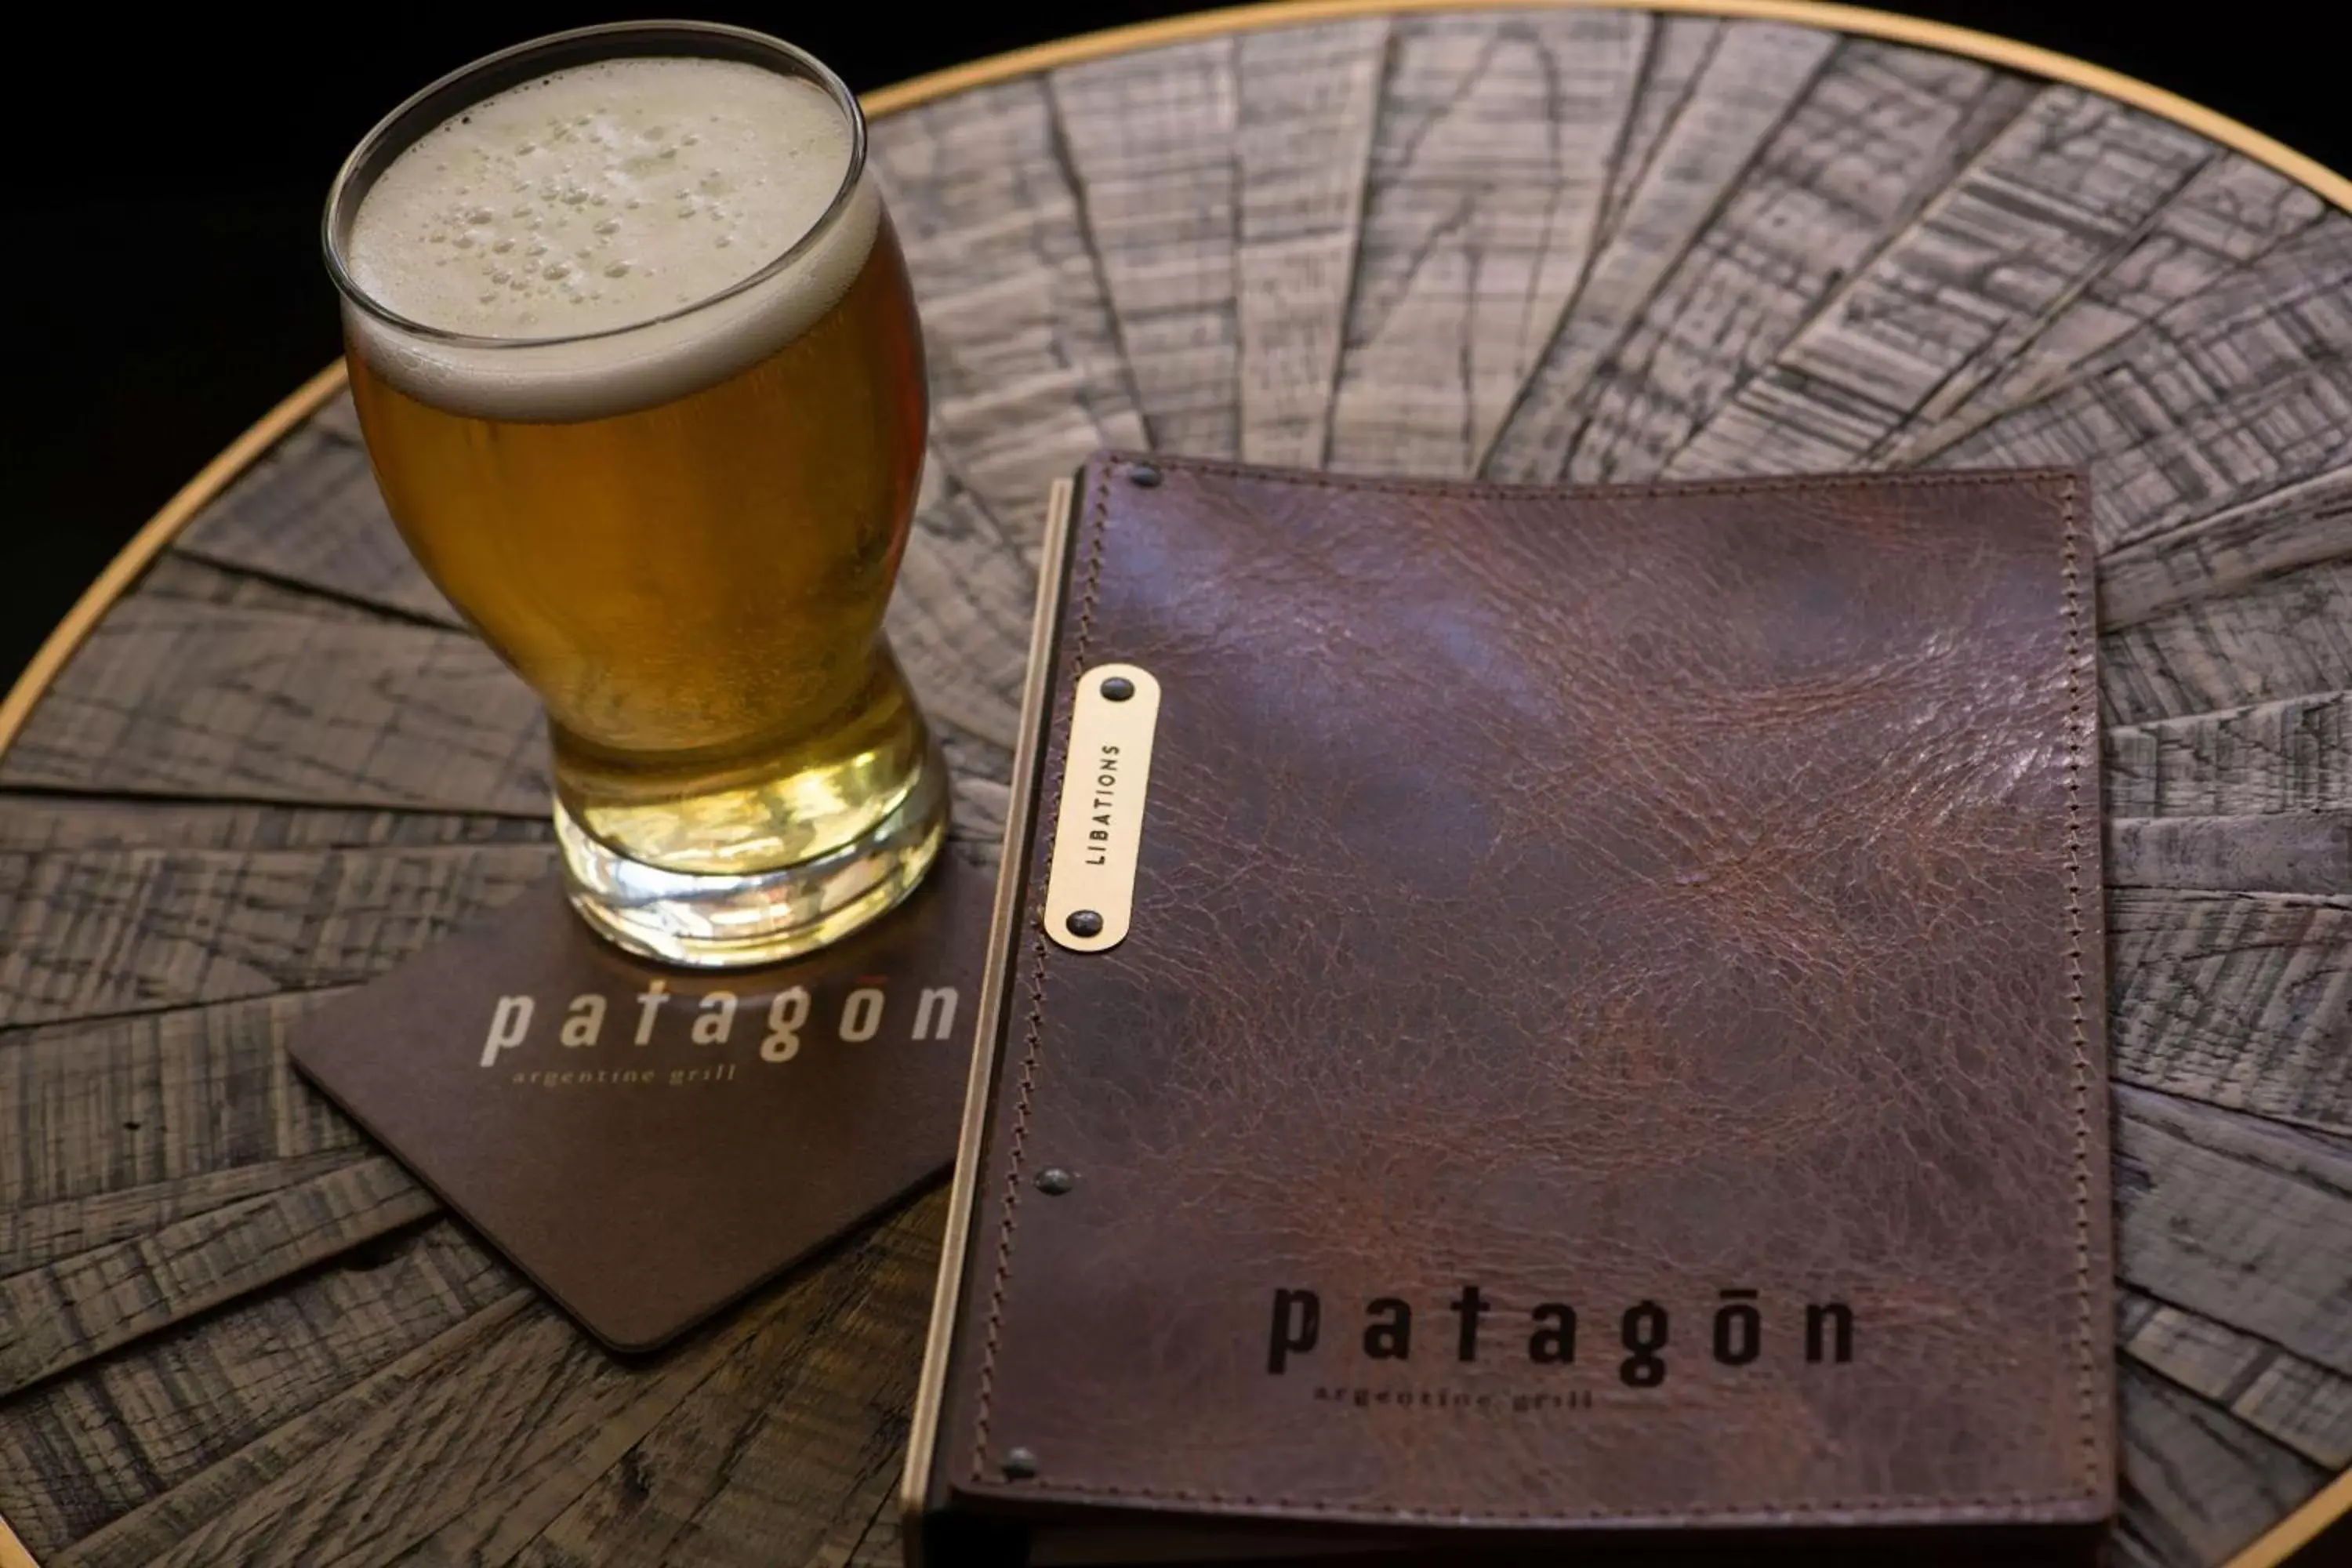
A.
x: 675, y: 1039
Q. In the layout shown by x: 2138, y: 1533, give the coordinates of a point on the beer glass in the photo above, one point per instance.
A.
x: 637, y: 364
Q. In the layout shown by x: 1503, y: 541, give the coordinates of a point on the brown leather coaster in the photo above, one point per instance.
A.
x: 648, y: 1144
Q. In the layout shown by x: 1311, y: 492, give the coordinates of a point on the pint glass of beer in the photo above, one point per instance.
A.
x: 632, y: 346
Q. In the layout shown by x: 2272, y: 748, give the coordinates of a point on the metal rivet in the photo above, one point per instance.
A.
x: 1054, y: 1181
x: 1084, y: 923
x: 1143, y: 476
x: 1118, y: 688
x: 1020, y: 1463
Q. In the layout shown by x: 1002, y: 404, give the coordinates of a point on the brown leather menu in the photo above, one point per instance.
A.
x: 1523, y: 1020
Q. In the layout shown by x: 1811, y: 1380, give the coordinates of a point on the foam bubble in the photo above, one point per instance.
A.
x: 582, y: 204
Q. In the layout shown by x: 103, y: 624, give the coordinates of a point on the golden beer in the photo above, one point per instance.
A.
x: 676, y: 511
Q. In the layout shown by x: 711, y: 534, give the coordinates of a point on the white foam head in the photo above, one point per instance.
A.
x: 569, y: 236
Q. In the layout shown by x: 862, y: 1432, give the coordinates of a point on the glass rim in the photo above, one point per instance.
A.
x: 408, y: 122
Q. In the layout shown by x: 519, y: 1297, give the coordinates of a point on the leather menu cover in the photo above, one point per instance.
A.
x: 1608, y: 1035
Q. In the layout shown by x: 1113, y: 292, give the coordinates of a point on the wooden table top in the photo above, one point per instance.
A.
x: 265, y: 762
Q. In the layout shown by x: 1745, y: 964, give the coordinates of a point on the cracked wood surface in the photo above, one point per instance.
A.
x: 1526, y: 244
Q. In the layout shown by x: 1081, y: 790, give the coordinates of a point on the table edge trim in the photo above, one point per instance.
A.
x: 159, y: 531
x: 1992, y: 47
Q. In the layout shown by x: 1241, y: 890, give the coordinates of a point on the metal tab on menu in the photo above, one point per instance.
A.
x: 1090, y: 889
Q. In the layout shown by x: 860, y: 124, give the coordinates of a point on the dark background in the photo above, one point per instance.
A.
x: 164, y: 249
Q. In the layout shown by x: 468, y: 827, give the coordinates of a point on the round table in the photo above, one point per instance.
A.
x: 263, y: 761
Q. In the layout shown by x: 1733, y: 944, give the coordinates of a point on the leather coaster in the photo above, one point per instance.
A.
x: 648, y: 1144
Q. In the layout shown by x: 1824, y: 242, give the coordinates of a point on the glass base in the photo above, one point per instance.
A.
x: 724, y: 922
